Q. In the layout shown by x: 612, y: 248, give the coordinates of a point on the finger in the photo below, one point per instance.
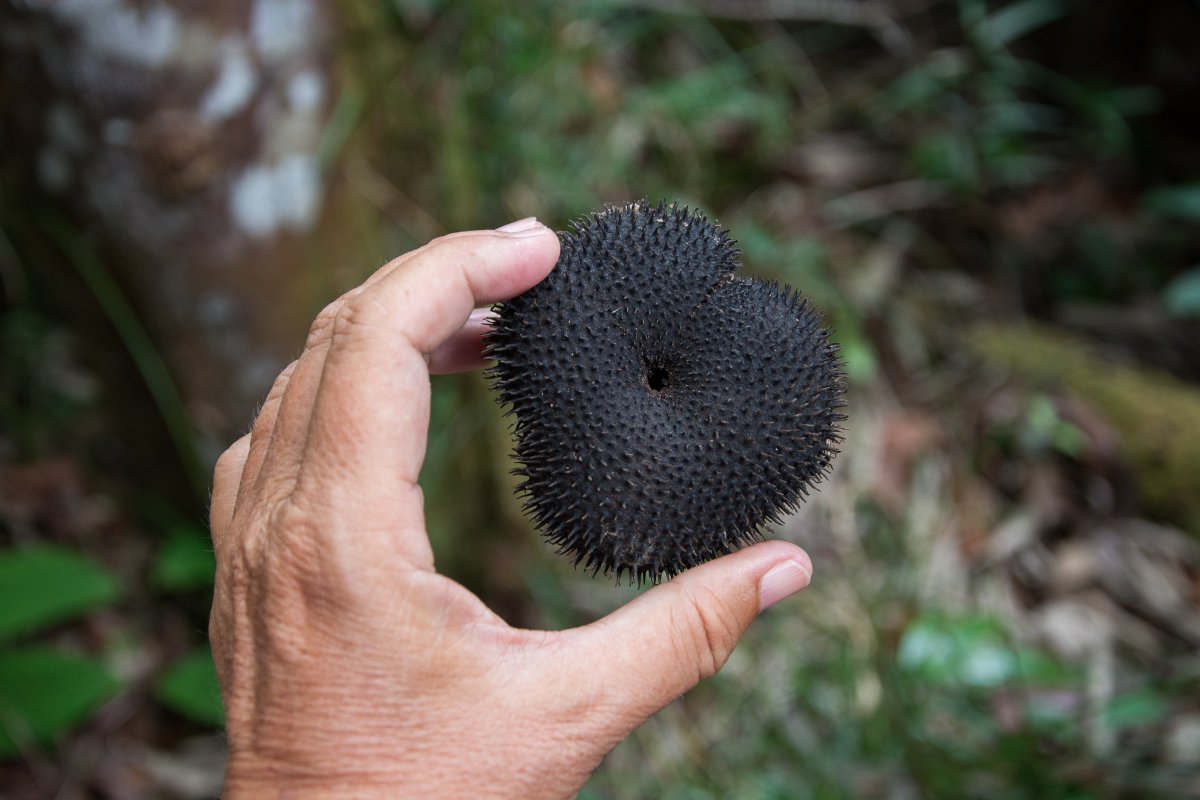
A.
x: 284, y: 424
x: 227, y: 476
x: 666, y: 641
x: 464, y: 349
x: 290, y: 439
x: 281, y: 428
x: 262, y: 430
x: 287, y: 410
x: 371, y: 416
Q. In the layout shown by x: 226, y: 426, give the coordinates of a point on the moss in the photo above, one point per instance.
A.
x: 1156, y: 416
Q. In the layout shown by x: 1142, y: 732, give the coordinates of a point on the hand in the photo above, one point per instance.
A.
x: 348, y: 666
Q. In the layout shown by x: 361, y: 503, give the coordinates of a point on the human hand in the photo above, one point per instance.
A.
x: 348, y: 666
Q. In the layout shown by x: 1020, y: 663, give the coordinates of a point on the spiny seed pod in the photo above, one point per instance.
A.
x: 666, y: 409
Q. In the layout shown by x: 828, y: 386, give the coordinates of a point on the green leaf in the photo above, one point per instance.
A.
x: 1017, y: 19
x: 971, y: 650
x: 1182, y: 295
x: 1046, y: 429
x: 189, y: 687
x: 1135, y: 709
x: 858, y: 358
x: 955, y: 651
x: 1182, y: 202
x: 923, y: 86
x: 43, y: 693
x: 43, y: 586
x: 184, y: 561
x: 947, y: 156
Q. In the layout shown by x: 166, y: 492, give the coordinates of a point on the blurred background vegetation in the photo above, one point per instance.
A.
x: 996, y: 205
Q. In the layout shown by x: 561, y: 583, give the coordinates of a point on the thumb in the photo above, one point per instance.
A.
x: 655, y: 648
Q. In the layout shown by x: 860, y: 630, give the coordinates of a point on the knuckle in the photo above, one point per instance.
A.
x: 322, y: 325
x: 353, y: 321
x: 264, y: 417
x: 229, y: 462
x: 281, y: 383
x: 238, y: 560
x: 296, y: 530
x: 289, y: 515
x: 441, y: 241
x: 225, y: 462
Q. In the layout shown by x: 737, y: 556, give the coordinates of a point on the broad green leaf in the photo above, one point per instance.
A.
x: 941, y: 649
x: 189, y: 687
x: 42, y: 586
x: 971, y: 650
x: 44, y: 692
x: 184, y: 561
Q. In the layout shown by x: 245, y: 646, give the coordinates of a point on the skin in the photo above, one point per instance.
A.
x: 349, y: 667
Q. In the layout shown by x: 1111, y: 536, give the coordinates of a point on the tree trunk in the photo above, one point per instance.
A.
x: 186, y: 136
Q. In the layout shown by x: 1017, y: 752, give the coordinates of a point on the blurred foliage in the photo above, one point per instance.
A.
x: 1045, y: 429
x: 137, y: 341
x: 42, y: 391
x: 1156, y: 416
x: 972, y: 651
x: 1181, y: 202
x: 41, y: 586
x: 866, y: 686
x: 190, y: 687
x: 1182, y: 295
x: 184, y: 561
x: 43, y: 691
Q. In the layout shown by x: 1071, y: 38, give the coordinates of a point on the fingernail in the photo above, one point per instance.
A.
x: 781, y: 581
x: 481, y: 315
x: 529, y: 223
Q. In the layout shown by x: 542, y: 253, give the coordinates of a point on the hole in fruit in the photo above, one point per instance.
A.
x: 657, y: 377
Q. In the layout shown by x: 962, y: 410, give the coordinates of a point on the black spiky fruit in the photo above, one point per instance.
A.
x: 666, y: 409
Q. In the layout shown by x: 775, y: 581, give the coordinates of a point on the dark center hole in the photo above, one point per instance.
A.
x: 657, y: 378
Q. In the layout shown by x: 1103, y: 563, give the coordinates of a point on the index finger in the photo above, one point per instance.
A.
x: 371, y: 416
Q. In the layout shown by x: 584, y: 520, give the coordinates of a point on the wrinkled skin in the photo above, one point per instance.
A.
x: 348, y: 666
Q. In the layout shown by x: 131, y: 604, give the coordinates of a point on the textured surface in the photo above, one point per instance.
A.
x: 665, y: 408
